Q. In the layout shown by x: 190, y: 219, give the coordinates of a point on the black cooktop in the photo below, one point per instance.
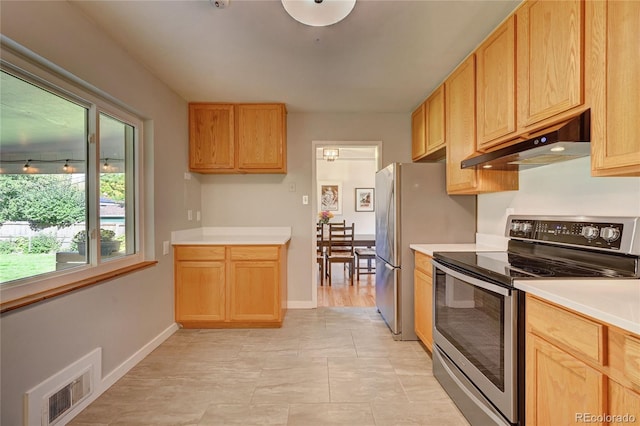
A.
x: 507, y: 266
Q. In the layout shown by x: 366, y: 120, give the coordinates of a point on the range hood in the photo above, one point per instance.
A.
x: 561, y: 142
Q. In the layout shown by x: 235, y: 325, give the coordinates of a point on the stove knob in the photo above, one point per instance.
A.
x: 609, y: 234
x: 516, y: 226
x: 590, y: 232
x: 526, y: 227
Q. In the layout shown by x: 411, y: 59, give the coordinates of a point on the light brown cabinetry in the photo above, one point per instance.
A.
x: 418, y: 133
x: 230, y: 286
x: 496, y: 86
x: 237, y: 138
x: 577, y: 366
x: 423, y: 299
x: 550, y: 59
x: 428, y: 136
x: 531, y: 72
x: 460, y: 119
x: 615, y: 133
x: 200, y: 284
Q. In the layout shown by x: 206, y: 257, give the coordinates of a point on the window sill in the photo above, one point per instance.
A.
x: 58, y: 291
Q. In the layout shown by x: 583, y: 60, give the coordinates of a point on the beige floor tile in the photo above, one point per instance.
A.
x: 245, y: 414
x: 327, y: 366
x: 330, y: 415
x: 441, y: 413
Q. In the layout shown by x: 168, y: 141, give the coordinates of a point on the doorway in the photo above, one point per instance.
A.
x: 351, y: 171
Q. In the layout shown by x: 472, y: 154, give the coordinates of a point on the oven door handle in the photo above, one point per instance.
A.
x: 473, y: 281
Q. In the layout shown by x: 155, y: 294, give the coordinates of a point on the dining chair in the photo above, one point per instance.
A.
x: 321, y: 256
x: 368, y: 254
x: 340, y: 248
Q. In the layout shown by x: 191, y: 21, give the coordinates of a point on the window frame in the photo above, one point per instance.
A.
x: 26, y: 65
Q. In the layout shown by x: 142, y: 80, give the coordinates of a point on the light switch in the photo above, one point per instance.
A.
x: 165, y: 247
x: 198, y: 215
x: 189, y: 214
x: 305, y: 199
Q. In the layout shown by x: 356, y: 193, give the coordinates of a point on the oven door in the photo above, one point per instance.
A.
x: 475, y: 326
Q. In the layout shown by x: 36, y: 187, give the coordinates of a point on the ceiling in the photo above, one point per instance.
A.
x: 386, y: 56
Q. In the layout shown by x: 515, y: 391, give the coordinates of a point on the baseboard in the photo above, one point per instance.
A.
x: 134, y: 359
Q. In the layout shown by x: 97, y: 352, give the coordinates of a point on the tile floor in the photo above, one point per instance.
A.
x: 326, y: 366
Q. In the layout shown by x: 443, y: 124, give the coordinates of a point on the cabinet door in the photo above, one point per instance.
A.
x: 211, y: 137
x: 496, y: 86
x: 550, y: 58
x: 423, y: 301
x: 622, y: 401
x: 615, y: 133
x: 559, y: 387
x: 200, y: 291
x: 262, y: 138
x: 418, y: 133
x: 254, y: 291
x: 435, y: 120
x: 460, y: 118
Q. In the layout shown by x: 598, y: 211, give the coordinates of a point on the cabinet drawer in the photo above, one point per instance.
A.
x: 567, y: 329
x: 199, y: 253
x: 423, y: 263
x: 254, y: 253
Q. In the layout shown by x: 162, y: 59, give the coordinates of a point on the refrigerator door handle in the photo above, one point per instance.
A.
x: 391, y: 235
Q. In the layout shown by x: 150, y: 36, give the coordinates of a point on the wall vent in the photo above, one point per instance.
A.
x: 62, y: 396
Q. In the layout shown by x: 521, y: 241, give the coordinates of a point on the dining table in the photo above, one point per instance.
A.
x: 359, y: 240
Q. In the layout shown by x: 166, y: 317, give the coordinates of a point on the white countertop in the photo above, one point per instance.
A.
x: 484, y: 242
x: 231, y: 236
x: 616, y: 302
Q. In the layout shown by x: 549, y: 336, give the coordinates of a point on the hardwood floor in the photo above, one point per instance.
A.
x: 361, y: 294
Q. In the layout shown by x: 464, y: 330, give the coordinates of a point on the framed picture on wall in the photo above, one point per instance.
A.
x: 364, y: 199
x: 330, y: 196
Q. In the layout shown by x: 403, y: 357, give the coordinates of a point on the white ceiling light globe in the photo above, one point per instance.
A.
x: 318, y: 14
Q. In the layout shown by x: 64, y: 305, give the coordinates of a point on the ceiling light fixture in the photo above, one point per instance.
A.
x: 330, y: 154
x: 318, y: 13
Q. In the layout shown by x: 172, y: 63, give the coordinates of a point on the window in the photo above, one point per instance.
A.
x: 69, y: 184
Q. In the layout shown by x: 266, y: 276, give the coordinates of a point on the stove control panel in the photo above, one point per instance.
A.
x: 593, y: 234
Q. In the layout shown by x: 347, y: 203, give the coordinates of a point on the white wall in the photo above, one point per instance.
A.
x: 352, y: 173
x: 122, y: 315
x: 265, y: 200
x: 565, y: 188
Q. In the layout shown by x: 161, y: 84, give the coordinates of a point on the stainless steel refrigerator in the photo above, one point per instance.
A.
x: 412, y: 207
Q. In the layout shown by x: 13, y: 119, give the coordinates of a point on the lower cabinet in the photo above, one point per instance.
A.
x: 230, y: 286
x: 579, y: 370
x: 423, y: 299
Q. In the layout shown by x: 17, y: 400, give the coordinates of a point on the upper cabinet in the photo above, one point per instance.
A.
x: 550, y: 60
x: 615, y: 133
x: 434, y: 114
x: 237, y: 138
x: 428, y: 128
x: 460, y: 118
x: 211, y: 136
x: 531, y: 72
x: 418, y: 133
x: 496, y: 86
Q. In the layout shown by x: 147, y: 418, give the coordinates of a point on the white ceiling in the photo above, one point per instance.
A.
x: 386, y: 56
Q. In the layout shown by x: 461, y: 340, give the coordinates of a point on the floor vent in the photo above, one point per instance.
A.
x: 59, y: 398
x: 68, y: 397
